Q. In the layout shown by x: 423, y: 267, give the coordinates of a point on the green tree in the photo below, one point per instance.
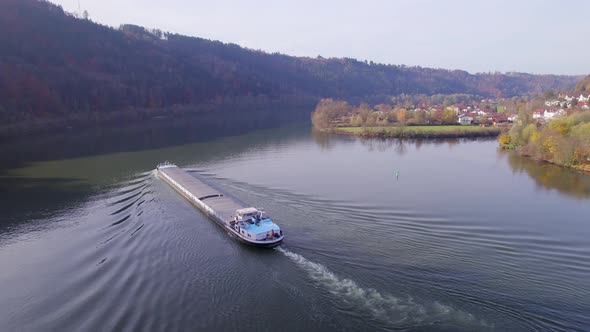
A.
x: 449, y: 116
x: 528, y: 133
x: 504, y: 140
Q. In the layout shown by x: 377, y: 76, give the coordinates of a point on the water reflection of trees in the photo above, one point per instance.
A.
x: 548, y: 176
x: 400, y: 146
x: 324, y: 140
x: 385, y: 144
x: 327, y: 141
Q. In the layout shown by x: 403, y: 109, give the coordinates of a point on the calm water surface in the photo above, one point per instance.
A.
x: 467, y: 238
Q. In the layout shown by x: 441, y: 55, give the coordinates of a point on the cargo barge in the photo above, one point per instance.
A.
x: 249, y: 225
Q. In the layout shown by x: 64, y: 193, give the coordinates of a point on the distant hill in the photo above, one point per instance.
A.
x: 583, y: 87
x: 53, y: 64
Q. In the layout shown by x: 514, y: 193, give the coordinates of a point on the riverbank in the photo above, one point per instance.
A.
x: 419, y: 131
x: 563, y: 141
x: 583, y: 167
x: 579, y: 167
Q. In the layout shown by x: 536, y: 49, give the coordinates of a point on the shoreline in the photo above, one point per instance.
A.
x: 583, y: 168
x: 428, y: 132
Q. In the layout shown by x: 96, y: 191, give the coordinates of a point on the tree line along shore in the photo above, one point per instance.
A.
x: 436, y: 131
x: 563, y: 141
x: 385, y: 121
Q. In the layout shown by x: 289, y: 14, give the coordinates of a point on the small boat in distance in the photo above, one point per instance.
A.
x: 250, y: 225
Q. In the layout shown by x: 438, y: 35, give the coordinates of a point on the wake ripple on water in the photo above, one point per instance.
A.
x: 394, y: 312
x: 130, y: 196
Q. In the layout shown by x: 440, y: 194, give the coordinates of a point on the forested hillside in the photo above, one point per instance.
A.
x: 53, y: 64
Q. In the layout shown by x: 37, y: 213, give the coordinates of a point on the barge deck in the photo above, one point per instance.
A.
x: 248, y: 225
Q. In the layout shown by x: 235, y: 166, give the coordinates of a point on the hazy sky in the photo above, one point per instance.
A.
x: 536, y: 36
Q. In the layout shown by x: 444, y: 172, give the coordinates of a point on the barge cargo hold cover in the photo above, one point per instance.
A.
x: 248, y: 224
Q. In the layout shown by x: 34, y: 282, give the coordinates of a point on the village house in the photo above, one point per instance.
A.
x: 550, y: 114
x: 567, y: 97
x: 552, y: 102
x: 436, y: 108
x: 512, y: 117
x: 465, y: 119
x: 500, y: 120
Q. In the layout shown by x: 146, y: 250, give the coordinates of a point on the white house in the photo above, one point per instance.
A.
x: 538, y: 114
x: 552, y: 102
x: 581, y: 97
x: 568, y: 97
x: 550, y: 114
x: 465, y: 119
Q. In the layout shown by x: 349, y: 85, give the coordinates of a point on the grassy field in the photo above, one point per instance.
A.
x: 421, y: 131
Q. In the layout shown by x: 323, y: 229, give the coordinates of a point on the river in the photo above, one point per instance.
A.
x: 446, y: 235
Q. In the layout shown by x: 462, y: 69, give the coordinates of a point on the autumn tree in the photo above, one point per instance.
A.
x: 382, y: 119
x: 564, y: 141
x: 355, y: 120
x: 504, y: 140
x: 420, y: 117
x: 371, y: 119
x: 327, y: 111
x: 402, y: 115
x: 392, y: 116
x: 529, y: 133
x: 364, y: 112
x: 449, y: 116
x: 384, y: 108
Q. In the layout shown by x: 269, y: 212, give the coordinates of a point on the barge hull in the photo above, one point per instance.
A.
x: 219, y: 207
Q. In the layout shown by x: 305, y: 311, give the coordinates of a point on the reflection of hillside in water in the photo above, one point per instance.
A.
x: 161, y: 133
x: 548, y: 176
x: 44, y: 176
